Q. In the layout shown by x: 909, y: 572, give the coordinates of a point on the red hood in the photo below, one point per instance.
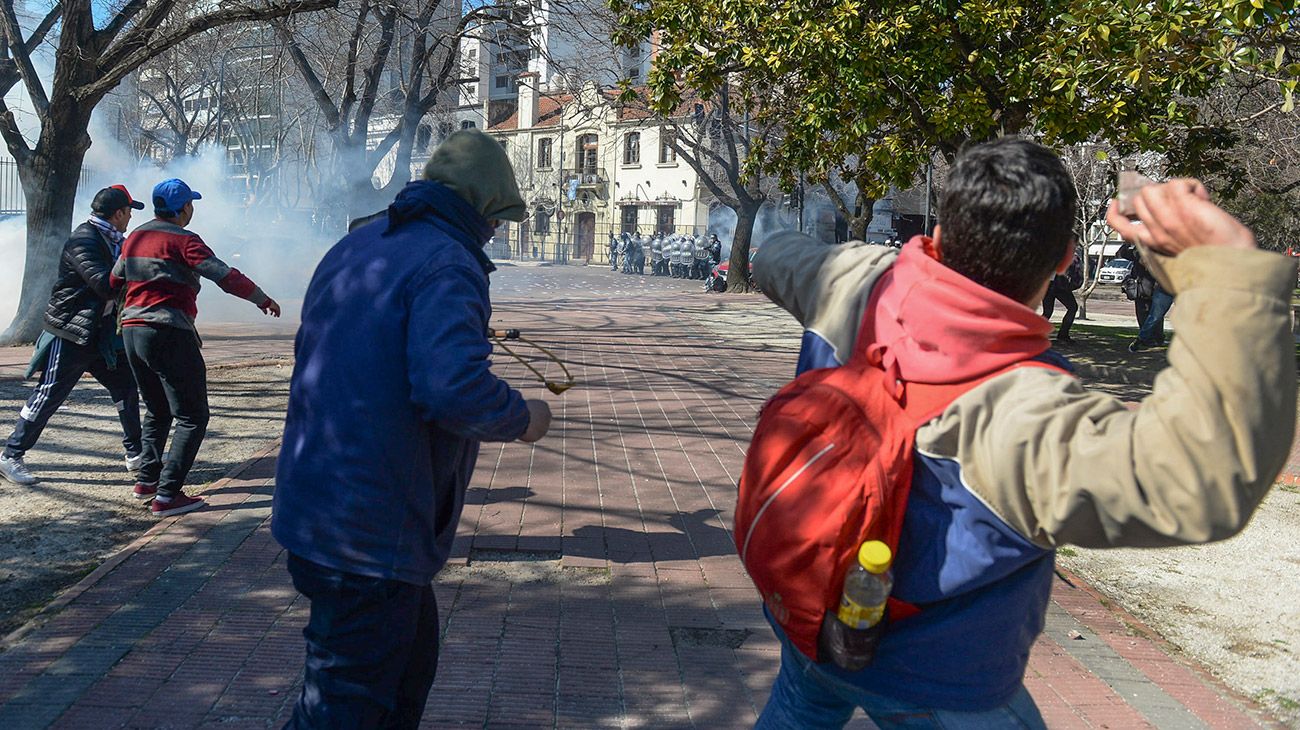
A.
x: 936, y: 326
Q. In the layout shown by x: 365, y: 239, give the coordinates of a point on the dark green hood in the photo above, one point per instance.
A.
x: 475, y: 166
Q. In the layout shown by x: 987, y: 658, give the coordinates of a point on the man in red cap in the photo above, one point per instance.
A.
x: 81, y: 335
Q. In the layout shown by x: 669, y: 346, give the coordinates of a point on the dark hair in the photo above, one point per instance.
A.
x: 1007, y: 215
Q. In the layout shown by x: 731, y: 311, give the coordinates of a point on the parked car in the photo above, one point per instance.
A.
x: 1114, y: 271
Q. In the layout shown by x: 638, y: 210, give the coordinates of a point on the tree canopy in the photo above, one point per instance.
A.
x: 889, y: 82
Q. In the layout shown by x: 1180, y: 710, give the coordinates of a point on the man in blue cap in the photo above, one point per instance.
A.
x: 160, y: 265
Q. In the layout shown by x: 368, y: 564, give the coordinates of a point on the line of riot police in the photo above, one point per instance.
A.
x: 680, y: 256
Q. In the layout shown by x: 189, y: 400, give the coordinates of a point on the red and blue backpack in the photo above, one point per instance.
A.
x: 830, y: 467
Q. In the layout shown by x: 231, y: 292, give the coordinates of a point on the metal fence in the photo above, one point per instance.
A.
x: 587, y: 245
x: 12, y: 200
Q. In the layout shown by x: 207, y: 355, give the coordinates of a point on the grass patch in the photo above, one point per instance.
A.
x: 1066, y: 552
x: 1118, y: 334
x: 1272, y: 696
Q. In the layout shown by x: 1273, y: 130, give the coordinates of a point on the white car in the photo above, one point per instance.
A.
x: 1114, y: 271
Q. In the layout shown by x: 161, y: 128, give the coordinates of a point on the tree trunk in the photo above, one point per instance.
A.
x: 858, y: 227
x: 738, y: 264
x: 862, y: 208
x: 410, y: 125
x: 51, y: 186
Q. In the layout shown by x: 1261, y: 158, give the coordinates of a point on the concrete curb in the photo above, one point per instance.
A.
x: 108, y: 566
x: 1151, y: 635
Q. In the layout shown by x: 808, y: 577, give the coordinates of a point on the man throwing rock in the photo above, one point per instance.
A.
x: 161, y: 264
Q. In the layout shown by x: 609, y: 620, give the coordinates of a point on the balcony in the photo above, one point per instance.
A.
x: 587, y: 177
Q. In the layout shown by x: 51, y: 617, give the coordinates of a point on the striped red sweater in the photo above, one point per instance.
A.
x: 161, y: 264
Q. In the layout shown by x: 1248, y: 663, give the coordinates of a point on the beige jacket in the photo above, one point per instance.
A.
x: 1062, y: 464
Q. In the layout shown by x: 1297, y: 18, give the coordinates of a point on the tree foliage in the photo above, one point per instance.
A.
x: 888, y: 82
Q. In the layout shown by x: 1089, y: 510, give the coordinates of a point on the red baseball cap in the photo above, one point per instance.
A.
x: 112, y: 199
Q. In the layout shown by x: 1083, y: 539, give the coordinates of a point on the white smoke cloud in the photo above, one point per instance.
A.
x: 771, y: 219
x: 276, y: 250
x: 13, y: 239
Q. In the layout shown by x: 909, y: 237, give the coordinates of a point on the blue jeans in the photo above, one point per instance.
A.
x: 372, y: 650
x: 806, y: 698
x: 1152, y: 331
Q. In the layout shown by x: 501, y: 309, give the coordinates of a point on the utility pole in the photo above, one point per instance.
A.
x: 801, y: 191
x: 559, y: 198
x: 929, y: 182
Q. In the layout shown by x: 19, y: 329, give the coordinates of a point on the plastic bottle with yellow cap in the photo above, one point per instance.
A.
x: 867, y: 587
x: 849, y: 635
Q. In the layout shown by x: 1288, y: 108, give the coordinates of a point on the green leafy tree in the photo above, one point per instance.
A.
x: 887, y: 83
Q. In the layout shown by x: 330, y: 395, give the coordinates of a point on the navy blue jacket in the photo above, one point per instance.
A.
x: 391, y: 392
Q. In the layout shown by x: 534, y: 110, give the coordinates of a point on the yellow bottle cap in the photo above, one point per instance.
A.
x: 875, y: 556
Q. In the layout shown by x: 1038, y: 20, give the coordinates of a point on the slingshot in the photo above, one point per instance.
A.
x: 500, y: 336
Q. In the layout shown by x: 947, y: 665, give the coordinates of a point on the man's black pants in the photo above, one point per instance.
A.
x: 1065, y: 296
x: 66, y: 363
x: 372, y: 650
x: 174, y: 383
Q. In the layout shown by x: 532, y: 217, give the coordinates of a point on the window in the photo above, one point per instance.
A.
x: 423, y: 135
x: 629, y: 218
x: 467, y: 124
x: 503, y: 81
x: 513, y: 59
x: 587, y: 148
x: 632, y: 148
x: 665, y: 222
x: 667, y: 154
x: 473, y: 54
x: 541, y: 222
x: 544, y: 153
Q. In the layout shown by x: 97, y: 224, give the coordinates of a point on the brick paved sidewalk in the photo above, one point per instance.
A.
x: 593, y: 584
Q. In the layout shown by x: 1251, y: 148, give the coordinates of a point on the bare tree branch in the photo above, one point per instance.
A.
x: 23, y: 59
x: 144, y: 43
x: 13, y: 137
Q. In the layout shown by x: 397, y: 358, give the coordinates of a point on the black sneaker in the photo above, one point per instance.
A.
x: 1138, y: 345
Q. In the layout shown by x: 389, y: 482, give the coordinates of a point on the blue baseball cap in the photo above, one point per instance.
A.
x: 170, y: 196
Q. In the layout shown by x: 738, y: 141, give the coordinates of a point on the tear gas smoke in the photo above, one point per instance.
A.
x: 277, y: 249
x: 773, y: 219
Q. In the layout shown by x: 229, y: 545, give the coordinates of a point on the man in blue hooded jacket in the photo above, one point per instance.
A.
x: 391, y: 396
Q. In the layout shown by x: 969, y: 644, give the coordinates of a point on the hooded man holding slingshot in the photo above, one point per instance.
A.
x: 391, y: 396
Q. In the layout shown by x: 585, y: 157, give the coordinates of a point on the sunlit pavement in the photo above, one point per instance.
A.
x: 593, y: 583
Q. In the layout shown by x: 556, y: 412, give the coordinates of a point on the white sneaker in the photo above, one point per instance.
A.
x: 16, y: 471
x: 133, y: 463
